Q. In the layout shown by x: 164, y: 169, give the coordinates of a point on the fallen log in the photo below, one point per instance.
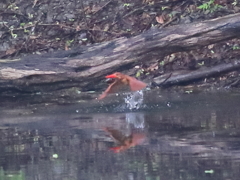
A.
x: 84, y: 67
x: 186, y: 77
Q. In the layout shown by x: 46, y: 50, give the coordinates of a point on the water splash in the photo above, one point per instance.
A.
x: 136, y: 119
x: 134, y: 100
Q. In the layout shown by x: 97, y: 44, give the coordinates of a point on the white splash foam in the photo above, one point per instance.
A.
x: 136, y: 119
x: 134, y: 100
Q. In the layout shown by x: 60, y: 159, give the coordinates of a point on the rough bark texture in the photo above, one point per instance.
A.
x: 84, y: 67
x: 183, y: 77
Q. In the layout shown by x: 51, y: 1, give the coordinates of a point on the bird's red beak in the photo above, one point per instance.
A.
x: 111, y: 76
x: 116, y: 149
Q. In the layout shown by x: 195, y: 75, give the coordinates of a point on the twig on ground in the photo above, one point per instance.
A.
x: 14, y: 13
x: 103, y: 7
x: 62, y: 26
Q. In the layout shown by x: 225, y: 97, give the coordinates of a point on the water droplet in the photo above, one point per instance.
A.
x: 134, y: 100
x: 168, y: 104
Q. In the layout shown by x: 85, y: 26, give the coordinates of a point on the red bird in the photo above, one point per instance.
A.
x: 120, y: 81
x: 125, y: 142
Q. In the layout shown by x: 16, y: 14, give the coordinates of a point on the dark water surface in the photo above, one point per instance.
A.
x: 169, y: 137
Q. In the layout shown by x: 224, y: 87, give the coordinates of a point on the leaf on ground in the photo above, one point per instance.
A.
x: 10, y: 51
x: 160, y: 19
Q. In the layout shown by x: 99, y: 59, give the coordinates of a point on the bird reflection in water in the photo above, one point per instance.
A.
x: 125, y: 141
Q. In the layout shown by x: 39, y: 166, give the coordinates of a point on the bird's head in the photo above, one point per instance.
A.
x: 115, y: 75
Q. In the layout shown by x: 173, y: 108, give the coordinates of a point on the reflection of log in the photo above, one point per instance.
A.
x: 84, y: 67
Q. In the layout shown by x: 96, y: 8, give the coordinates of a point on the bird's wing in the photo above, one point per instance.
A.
x: 112, y: 88
x: 136, y: 85
x: 117, y: 135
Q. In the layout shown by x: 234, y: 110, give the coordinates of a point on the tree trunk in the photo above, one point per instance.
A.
x: 84, y: 67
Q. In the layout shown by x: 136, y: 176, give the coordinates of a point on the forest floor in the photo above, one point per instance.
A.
x: 42, y: 26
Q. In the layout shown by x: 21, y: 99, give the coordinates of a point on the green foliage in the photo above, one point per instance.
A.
x: 13, y: 7
x: 69, y: 42
x: 234, y: 3
x: 17, y: 175
x: 84, y: 39
x: 189, y: 91
x: 162, y: 63
x: 30, y: 16
x: 14, y: 36
x: 209, y: 6
x: 236, y: 47
x: 25, y: 30
x: 164, y: 7
x: 201, y: 64
x: 126, y: 4
x: 206, y: 5
x: 209, y: 171
x: 139, y: 72
x: 55, y: 156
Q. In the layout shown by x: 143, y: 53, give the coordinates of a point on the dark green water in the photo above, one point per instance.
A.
x: 195, y: 137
